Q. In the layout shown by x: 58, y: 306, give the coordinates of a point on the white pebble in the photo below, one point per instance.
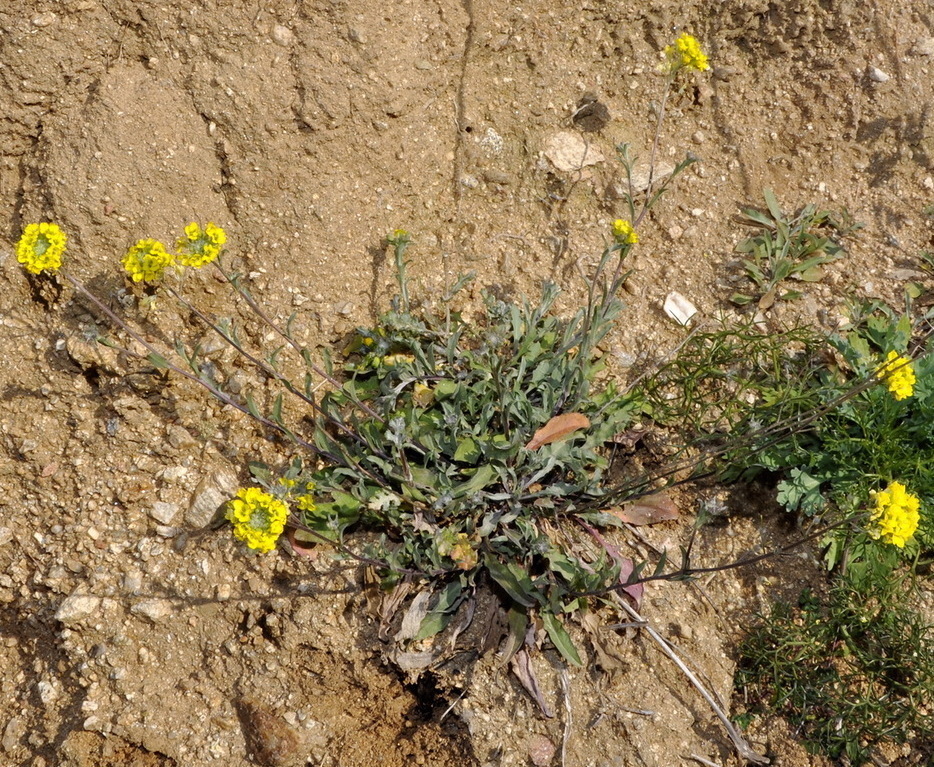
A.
x: 282, y: 35
x: 77, y: 607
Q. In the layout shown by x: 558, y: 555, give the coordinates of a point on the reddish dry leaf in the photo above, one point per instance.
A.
x: 635, y: 590
x: 299, y: 546
x: 649, y: 510
x: 558, y: 427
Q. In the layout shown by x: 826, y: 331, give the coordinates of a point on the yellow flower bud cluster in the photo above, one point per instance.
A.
x: 686, y: 53
x: 898, y: 376
x: 623, y: 232
x: 895, y: 518
x: 199, y: 247
x: 147, y: 260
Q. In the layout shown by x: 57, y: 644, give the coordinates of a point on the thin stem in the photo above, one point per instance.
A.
x: 273, y: 373
x: 217, y: 393
x: 658, y: 130
x: 257, y: 310
x: 689, y: 572
x: 739, y: 742
x: 297, y: 524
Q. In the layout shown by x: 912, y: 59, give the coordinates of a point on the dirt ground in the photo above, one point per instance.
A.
x: 309, y: 130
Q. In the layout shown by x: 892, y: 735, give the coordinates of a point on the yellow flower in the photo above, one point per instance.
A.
x: 199, y: 247
x: 458, y: 548
x: 623, y: 232
x: 898, y: 375
x: 895, y: 518
x: 685, y: 54
x: 397, y: 359
x: 41, y: 247
x: 147, y: 260
x: 258, y: 518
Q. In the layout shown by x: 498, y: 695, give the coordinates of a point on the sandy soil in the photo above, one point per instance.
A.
x: 309, y: 130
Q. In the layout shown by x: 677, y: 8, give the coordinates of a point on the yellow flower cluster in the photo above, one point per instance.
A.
x: 200, y: 246
x: 147, y: 260
x: 41, y: 247
x: 686, y: 53
x: 895, y: 518
x: 258, y: 518
x: 898, y: 375
x: 623, y: 232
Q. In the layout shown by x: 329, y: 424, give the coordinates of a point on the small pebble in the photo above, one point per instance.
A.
x: 77, y: 607
x: 163, y: 512
x: 877, y: 75
x: 155, y: 610
x: 44, y: 19
x: 282, y: 35
x: 271, y: 740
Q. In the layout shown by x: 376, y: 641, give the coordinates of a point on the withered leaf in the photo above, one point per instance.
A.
x: 649, y: 510
x: 521, y: 666
x: 558, y: 427
x: 302, y: 543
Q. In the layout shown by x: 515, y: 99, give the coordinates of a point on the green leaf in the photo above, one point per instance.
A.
x: 559, y: 563
x: 812, y: 274
x: 513, y: 580
x: 482, y: 477
x: 445, y: 389
x: 662, y: 561
x: 561, y: 639
x: 251, y: 407
x: 431, y: 624
x: 518, y: 621
x: 276, y: 416
x: 467, y: 451
x: 448, y: 600
x: 156, y: 359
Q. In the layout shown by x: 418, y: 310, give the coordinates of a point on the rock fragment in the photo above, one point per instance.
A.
x: 76, y: 608
x: 569, y: 151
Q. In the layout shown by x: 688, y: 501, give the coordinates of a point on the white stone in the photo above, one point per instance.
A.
x: 48, y: 692
x: 282, y: 35
x: 43, y: 19
x: 568, y: 151
x: 877, y: 75
x: 211, y: 492
x: 163, y: 512
x: 679, y: 308
x: 77, y: 607
x: 155, y: 610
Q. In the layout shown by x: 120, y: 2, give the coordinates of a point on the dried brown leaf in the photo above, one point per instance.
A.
x: 648, y: 510
x: 558, y: 427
